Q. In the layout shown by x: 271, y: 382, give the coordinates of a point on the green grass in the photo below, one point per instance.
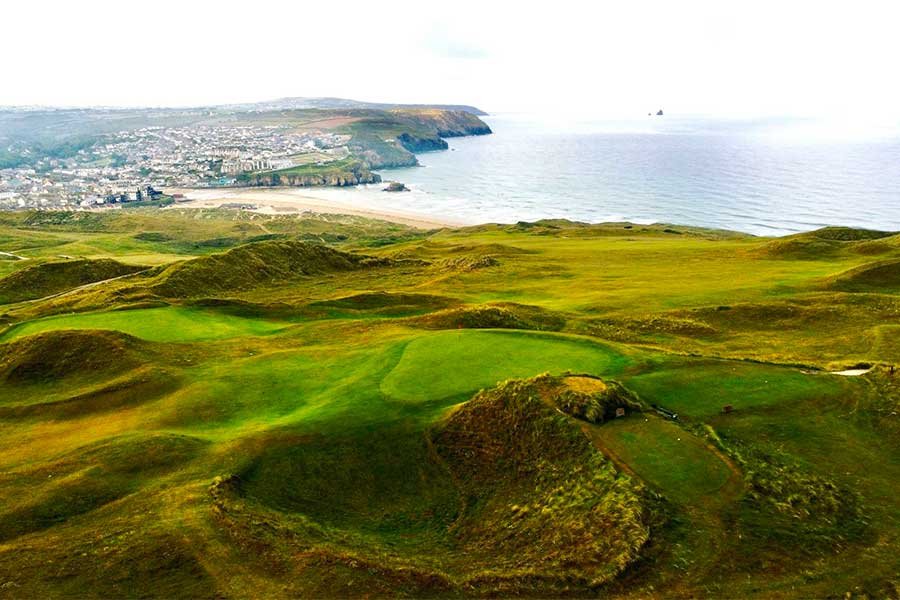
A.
x: 333, y: 407
x: 163, y: 324
x: 671, y: 459
x: 450, y: 363
x: 701, y: 389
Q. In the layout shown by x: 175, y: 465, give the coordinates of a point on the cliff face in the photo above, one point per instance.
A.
x: 421, y: 130
x: 352, y: 175
x: 378, y: 140
x: 445, y: 123
x: 415, y: 143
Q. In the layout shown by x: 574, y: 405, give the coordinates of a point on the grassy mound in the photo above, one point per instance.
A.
x: 431, y: 249
x: 649, y: 328
x: 489, y: 249
x: 827, y: 243
x: 387, y: 303
x: 788, y: 510
x: 56, y: 355
x: 503, y: 495
x: 51, y: 278
x: 880, y: 277
x: 256, y: 265
x: 800, y: 248
x: 588, y: 398
x: 40, y: 496
x: 845, y: 234
x: 541, y: 504
x: 495, y: 316
x: 135, y: 387
x: 466, y: 263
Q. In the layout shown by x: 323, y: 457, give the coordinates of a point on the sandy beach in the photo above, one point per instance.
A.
x: 293, y: 200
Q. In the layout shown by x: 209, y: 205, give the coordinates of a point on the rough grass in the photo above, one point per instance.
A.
x: 384, y: 303
x: 45, y: 279
x: 540, y: 501
x: 494, y: 316
x: 879, y: 277
x: 256, y: 265
x: 56, y: 355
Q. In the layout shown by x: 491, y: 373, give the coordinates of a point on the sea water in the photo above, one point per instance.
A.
x: 760, y: 176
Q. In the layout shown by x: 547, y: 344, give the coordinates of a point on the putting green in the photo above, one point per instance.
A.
x: 451, y: 363
x: 163, y: 324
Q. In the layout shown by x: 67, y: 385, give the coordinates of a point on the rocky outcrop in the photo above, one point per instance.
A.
x: 418, y: 144
x: 396, y: 186
x: 353, y: 176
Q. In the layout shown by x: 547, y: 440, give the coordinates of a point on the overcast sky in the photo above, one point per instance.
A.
x: 591, y: 58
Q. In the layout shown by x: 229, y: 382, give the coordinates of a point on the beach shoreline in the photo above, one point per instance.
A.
x: 288, y: 200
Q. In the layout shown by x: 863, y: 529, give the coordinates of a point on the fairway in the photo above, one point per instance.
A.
x: 701, y: 389
x: 449, y: 363
x: 163, y: 324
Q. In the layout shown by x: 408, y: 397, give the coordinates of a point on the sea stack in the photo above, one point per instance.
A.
x: 396, y: 186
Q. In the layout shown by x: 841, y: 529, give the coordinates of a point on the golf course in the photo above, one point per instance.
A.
x: 219, y: 403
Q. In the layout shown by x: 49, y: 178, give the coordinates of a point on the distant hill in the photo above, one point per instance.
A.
x: 344, y: 103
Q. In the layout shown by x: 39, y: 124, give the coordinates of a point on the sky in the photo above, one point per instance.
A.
x: 602, y: 58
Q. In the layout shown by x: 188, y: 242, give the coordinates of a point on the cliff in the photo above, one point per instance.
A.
x: 339, y: 173
x: 386, y: 140
x: 414, y: 143
x: 444, y: 123
x: 379, y: 139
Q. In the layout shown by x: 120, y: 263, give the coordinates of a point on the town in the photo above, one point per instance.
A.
x: 136, y: 165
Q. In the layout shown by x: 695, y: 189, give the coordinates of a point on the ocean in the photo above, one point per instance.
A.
x: 764, y: 176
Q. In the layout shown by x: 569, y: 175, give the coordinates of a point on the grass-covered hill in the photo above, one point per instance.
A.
x: 215, y: 403
x: 47, y: 278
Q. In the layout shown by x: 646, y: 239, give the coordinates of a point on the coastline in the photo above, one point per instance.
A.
x: 288, y: 200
